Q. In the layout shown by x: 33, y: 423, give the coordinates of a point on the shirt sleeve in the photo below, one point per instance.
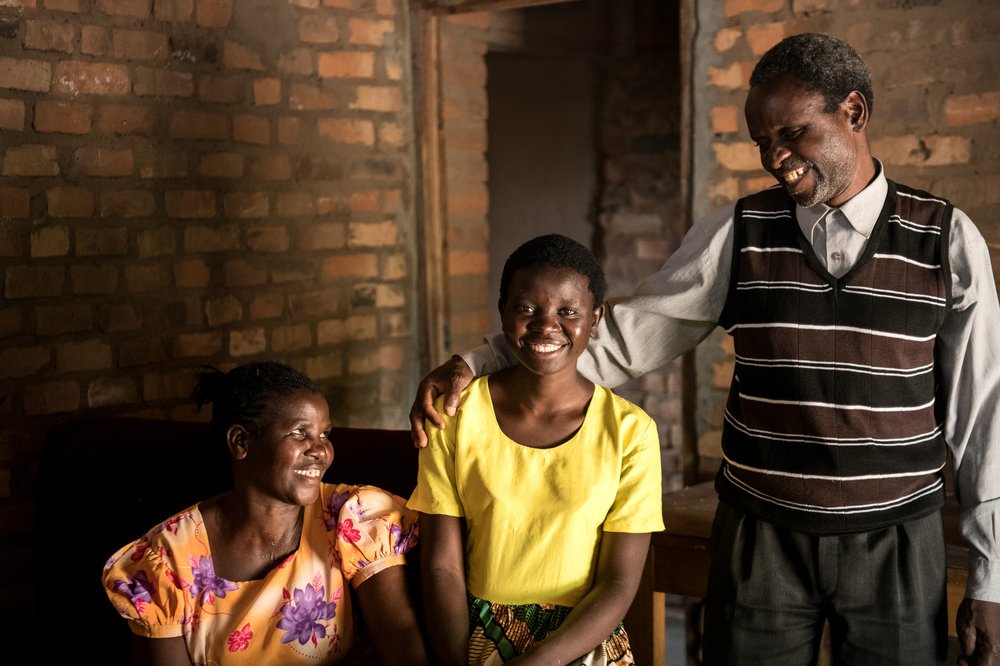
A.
x: 145, y: 590
x: 375, y: 530
x: 969, y: 362
x: 437, y: 490
x: 669, y: 314
x: 638, y: 505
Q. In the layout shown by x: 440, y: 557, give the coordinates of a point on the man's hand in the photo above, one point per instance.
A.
x: 449, y: 379
x: 978, y: 625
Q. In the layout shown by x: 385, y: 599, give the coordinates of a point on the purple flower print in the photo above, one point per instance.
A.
x: 207, y: 585
x: 138, y: 589
x: 300, y: 619
x: 404, y: 540
x: 333, y: 507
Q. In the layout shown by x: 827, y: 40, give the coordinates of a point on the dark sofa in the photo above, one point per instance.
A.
x: 104, y: 482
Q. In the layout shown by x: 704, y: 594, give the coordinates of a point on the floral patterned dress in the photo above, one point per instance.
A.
x: 165, y: 584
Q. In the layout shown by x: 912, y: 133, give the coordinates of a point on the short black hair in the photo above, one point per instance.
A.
x: 554, y: 251
x: 823, y: 63
x: 246, y: 394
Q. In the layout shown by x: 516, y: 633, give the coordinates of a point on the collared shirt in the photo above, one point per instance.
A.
x: 678, y: 306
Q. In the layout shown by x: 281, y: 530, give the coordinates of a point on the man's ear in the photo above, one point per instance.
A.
x: 598, y: 313
x: 237, y: 441
x: 856, y: 107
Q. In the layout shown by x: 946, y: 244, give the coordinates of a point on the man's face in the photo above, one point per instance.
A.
x: 818, y: 156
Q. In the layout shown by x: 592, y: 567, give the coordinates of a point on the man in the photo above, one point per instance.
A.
x: 862, y: 313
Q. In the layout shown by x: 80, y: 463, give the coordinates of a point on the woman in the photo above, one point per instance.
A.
x: 256, y: 574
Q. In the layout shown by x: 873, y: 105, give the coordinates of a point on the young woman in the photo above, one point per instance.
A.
x: 539, y: 495
x: 257, y: 575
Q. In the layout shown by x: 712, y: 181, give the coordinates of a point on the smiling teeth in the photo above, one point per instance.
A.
x: 793, y: 176
x: 311, y: 473
x: 543, y: 349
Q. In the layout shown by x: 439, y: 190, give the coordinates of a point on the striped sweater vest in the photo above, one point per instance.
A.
x: 831, y: 424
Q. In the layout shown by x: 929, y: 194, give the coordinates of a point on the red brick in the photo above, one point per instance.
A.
x: 69, y: 202
x: 222, y: 89
x: 247, y: 205
x: 318, y: 29
x: 295, y: 204
x: 63, y: 5
x: 378, y: 234
x: 225, y: 310
x: 59, y: 319
x: 112, y: 391
x: 365, y: 201
x: 197, y: 344
x: 11, y: 114
x: 199, y: 125
x: 479, y: 20
x: 272, y: 168
x: 211, y: 239
x: 324, y: 366
x: 945, y: 150
x: 48, y: 36
x: 33, y: 281
x: 393, y: 68
x: 762, y: 37
x: 393, y: 267
x: 267, y: 306
x: 30, y: 160
x: 51, y: 398
x: 163, y: 82
x: 350, y: 266
x: 469, y: 201
x: 12, y: 242
x: 306, y: 97
x: 101, y: 242
x: 291, y: 338
x: 751, y: 185
x: 74, y: 77
x: 23, y: 74
x: 289, y: 131
x: 124, y: 119
x: 241, y: 273
x: 65, y: 117
x: 267, y: 239
x: 251, y: 129
x: 736, y: 7
x: 322, y: 237
x: 266, y: 92
x: 14, y: 202
x: 127, y: 203
x: 391, y: 134
x: 738, y: 156
x: 140, y: 351
x: 168, y: 385
x: 346, y: 130
x: 247, y: 342
x: 237, y: 56
x: 85, y: 355
x: 134, y: 8
x: 927, y: 150
x: 173, y: 10
x: 734, y: 77
x: 114, y: 318
x: 214, y: 13
x: 190, y: 204
x: 388, y: 357
x: 50, y: 242
x: 726, y: 39
x: 965, y: 109
x: 297, y: 62
x: 467, y: 263
x: 378, y: 98
x: 725, y: 119
x: 346, y: 64
x: 289, y: 273
x: 104, y: 162
x: 140, y: 279
x: 192, y: 273
x: 95, y: 40
x: 23, y: 361
x: 222, y: 165
x: 369, y: 33
x: 94, y: 278
x: 160, y: 161
x: 139, y: 45
x: 158, y: 242
x: 336, y: 331
x: 386, y: 7
x: 11, y: 322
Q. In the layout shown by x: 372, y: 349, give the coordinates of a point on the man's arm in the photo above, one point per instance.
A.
x: 442, y: 572
x: 969, y: 364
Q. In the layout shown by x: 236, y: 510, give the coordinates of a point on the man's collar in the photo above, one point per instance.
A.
x: 861, y: 210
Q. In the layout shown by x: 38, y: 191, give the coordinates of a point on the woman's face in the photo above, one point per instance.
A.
x: 287, y: 458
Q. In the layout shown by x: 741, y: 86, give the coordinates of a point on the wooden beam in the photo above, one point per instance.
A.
x: 463, y: 6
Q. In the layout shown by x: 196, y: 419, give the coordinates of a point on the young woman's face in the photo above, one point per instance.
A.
x: 292, y: 451
x: 549, y: 317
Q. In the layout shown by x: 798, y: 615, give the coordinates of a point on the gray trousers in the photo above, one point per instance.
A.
x: 771, y: 589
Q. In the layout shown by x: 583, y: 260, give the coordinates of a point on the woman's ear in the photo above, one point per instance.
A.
x: 598, y: 313
x: 236, y: 441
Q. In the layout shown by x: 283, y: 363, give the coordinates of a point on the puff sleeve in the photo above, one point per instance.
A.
x: 375, y: 530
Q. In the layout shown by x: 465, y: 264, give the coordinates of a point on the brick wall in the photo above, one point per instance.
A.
x: 190, y: 182
x: 934, y: 122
